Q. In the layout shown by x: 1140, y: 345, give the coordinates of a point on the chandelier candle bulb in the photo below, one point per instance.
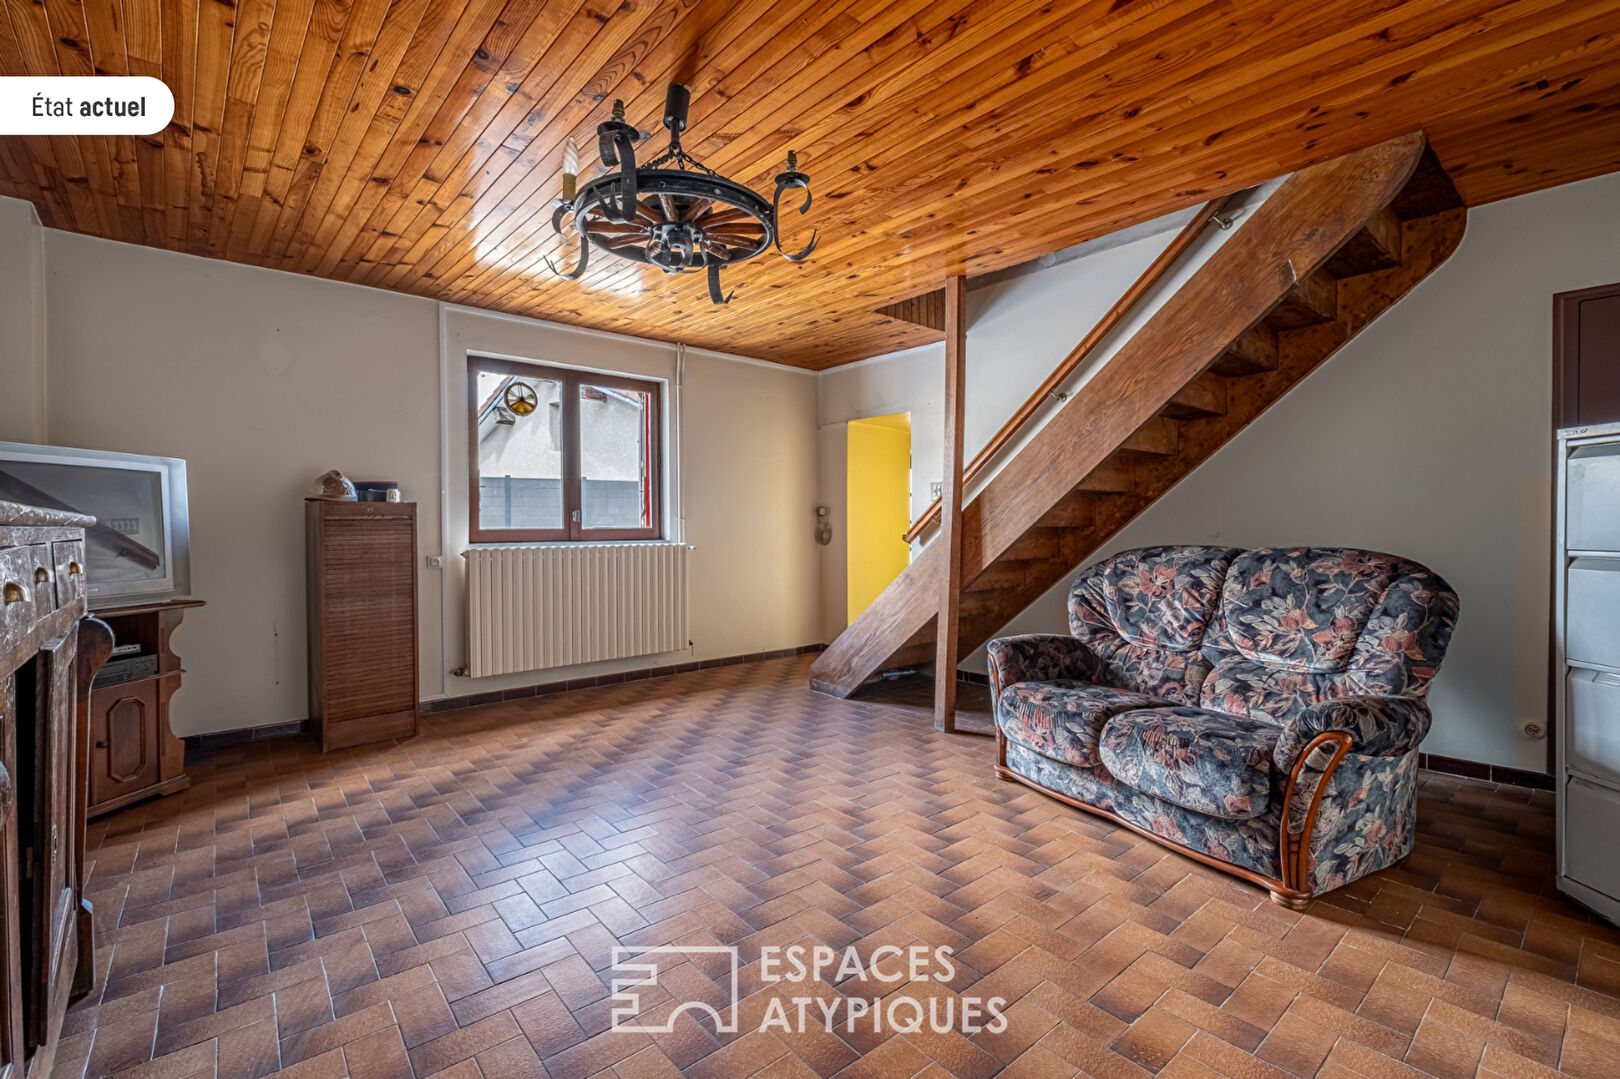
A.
x: 570, y: 168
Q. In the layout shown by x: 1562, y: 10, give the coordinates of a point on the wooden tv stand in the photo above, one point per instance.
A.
x: 134, y: 753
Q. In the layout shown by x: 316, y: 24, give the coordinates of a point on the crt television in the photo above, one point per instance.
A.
x: 138, y: 551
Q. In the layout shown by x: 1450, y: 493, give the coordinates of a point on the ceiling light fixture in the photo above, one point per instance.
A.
x: 673, y: 212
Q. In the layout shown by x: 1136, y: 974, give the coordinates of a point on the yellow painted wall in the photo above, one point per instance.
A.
x: 878, y: 493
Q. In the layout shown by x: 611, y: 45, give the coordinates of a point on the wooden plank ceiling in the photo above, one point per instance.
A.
x: 415, y: 144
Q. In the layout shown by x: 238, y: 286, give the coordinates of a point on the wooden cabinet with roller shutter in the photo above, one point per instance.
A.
x: 362, y: 621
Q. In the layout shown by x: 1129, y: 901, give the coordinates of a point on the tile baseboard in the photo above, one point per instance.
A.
x: 214, y: 739
x: 297, y: 729
x: 1434, y: 762
x: 546, y: 689
x: 1494, y: 773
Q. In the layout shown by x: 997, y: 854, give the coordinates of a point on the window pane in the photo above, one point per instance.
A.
x: 614, y: 437
x: 520, y: 456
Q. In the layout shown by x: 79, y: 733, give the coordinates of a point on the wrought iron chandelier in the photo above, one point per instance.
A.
x: 674, y: 212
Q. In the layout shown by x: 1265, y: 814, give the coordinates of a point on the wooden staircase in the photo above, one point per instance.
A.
x: 1332, y: 247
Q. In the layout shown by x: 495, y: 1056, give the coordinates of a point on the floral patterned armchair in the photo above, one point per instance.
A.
x: 1258, y: 710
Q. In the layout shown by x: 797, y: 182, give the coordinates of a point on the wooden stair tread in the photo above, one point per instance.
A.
x: 1376, y: 247
x: 1038, y: 545
x: 1110, y: 477
x: 1313, y: 300
x: 1252, y: 352
x: 1073, y: 512
x: 1156, y: 438
x: 1204, y: 396
x: 1003, y: 576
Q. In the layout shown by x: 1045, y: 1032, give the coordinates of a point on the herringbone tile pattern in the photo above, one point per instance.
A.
x: 448, y: 907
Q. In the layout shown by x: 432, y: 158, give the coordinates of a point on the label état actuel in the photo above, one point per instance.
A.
x: 44, y: 106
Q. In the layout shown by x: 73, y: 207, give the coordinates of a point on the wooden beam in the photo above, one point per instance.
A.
x: 950, y: 527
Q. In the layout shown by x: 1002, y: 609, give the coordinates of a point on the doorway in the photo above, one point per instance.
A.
x: 1586, y: 356
x: 878, y: 492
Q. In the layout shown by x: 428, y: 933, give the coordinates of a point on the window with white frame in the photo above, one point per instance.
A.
x: 559, y: 455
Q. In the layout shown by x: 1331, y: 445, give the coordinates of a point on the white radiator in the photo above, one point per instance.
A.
x: 530, y: 608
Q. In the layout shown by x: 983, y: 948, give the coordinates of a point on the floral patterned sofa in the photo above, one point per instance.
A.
x: 1257, y: 710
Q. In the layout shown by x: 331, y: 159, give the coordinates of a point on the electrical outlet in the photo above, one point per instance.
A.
x: 1535, y: 730
x: 936, y: 490
x: 435, y: 561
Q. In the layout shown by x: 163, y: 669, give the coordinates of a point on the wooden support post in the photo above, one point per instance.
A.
x: 950, y: 527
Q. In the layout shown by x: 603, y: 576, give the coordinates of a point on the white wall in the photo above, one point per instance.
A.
x: 22, y: 323
x: 262, y: 380
x: 1428, y: 436
x: 832, y: 451
x: 742, y: 485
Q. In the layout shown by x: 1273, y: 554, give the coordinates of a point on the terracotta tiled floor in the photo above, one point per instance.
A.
x: 449, y: 906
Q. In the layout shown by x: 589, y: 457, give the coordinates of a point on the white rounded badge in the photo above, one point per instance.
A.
x: 84, y: 105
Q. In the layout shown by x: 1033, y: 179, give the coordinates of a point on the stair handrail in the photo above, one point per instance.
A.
x: 1110, y: 319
